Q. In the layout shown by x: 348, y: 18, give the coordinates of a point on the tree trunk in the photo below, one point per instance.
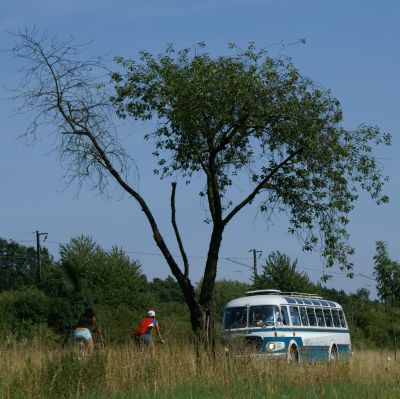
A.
x: 201, y: 315
x: 202, y: 321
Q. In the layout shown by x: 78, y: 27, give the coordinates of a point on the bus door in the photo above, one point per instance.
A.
x: 284, y: 328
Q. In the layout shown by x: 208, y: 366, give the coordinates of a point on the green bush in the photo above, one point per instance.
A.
x: 20, y: 310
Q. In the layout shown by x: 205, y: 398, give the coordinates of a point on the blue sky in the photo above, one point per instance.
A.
x: 351, y: 48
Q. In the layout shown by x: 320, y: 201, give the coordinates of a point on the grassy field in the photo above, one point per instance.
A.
x: 27, y: 370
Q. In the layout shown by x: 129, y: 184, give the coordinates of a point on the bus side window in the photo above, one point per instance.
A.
x: 342, y: 319
x: 328, y: 317
x: 320, y: 317
x: 294, y: 315
x: 311, y: 316
x: 285, y: 316
x: 303, y: 315
x: 336, y: 320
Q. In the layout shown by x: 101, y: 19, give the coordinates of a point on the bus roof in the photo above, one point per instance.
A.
x: 276, y: 297
x: 279, y: 292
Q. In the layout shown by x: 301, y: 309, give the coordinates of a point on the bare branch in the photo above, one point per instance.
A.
x: 177, y: 235
x: 70, y: 94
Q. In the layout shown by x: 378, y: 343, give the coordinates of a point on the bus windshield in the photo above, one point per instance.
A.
x: 263, y: 315
x: 235, y: 317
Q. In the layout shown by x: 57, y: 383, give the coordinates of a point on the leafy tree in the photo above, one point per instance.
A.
x: 22, y: 309
x: 332, y: 294
x: 18, y: 265
x: 280, y: 272
x: 104, y: 277
x: 167, y: 290
x: 245, y: 117
x: 387, y: 274
x: 225, y: 291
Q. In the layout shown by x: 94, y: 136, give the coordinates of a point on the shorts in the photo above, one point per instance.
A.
x: 143, y: 339
x: 82, y: 334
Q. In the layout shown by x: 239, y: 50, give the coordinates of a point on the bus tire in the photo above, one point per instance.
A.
x: 333, y: 355
x: 293, y: 354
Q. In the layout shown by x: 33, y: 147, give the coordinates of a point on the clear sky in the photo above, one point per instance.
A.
x: 352, y: 48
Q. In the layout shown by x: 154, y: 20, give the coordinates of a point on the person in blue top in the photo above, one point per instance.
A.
x: 86, y: 328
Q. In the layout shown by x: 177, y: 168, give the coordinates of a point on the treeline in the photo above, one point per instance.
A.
x: 86, y: 275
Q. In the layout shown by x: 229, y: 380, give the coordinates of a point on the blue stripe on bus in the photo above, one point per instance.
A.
x: 302, y: 329
x: 296, y: 329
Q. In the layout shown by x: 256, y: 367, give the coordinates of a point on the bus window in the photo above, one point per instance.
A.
x: 263, y: 315
x: 311, y: 316
x: 303, y: 315
x: 285, y: 316
x: 320, y: 317
x: 342, y: 319
x: 336, y: 320
x: 328, y: 317
x: 294, y: 315
x: 235, y: 317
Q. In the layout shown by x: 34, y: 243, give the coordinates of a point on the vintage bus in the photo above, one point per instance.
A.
x: 293, y: 326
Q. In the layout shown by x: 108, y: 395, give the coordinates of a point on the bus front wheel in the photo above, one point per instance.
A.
x: 333, y: 357
x: 293, y: 355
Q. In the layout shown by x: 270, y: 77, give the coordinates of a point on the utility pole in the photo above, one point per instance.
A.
x: 38, y: 257
x: 255, y: 252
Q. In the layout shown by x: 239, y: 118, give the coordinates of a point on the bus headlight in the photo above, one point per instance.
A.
x: 271, y: 346
x: 275, y: 346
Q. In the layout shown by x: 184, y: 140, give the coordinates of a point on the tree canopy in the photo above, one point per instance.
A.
x: 252, y: 117
x: 18, y: 265
x: 280, y: 272
x: 387, y: 275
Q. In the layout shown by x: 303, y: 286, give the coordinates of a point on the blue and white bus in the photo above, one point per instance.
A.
x: 294, y: 326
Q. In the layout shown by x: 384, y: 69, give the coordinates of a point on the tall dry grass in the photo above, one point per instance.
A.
x: 28, y: 369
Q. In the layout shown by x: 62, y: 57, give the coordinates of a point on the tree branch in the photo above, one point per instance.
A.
x: 260, y: 186
x: 177, y: 235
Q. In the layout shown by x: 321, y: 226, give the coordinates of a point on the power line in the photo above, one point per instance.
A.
x: 22, y: 235
x: 239, y: 263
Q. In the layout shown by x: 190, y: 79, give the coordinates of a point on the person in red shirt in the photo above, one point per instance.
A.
x: 143, y: 334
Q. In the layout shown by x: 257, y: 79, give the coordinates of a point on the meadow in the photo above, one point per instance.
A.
x: 29, y: 369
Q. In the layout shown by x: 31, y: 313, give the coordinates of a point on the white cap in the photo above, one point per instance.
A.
x: 151, y: 313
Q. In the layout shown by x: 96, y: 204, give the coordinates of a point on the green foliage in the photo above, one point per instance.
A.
x: 225, y: 291
x: 22, y: 309
x: 281, y: 273
x: 387, y: 274
x: 167, y: 290
x: 18, y: 265
x: 170, y: 308
x: 375, y: 325
x: 109, y: 278
x: 250, y: 115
